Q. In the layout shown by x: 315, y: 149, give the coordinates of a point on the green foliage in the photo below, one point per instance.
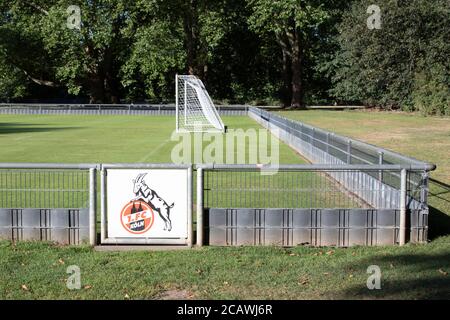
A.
x: 156, y: 53
x: 253, y: 51
x: 403, y: 64
x: 431, y: 96
x: 13, y: 83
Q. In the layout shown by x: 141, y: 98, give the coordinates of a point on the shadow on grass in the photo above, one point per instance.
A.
x: 438, y: 220
x: 9, y: 128
x: 405, y: 276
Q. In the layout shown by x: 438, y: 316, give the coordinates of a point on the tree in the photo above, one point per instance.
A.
x: 290, y: 22
x: 36, y: 40
x: 404, y: 64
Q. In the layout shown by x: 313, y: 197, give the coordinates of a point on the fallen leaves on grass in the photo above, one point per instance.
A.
x: 61, y: 261
x: 24, y: 287
x: 303, y: 281
x: 87, y: 287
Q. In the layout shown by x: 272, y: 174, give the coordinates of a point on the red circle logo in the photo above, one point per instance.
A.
x: 137, y: 217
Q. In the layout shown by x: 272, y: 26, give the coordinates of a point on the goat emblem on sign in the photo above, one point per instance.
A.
x: 137, y: 216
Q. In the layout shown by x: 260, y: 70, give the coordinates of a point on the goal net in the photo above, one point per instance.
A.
x: 195, y: 111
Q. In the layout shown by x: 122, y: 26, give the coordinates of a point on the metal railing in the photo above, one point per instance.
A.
x: 108, y: 109
x: 301, y: 186
x: 323, y: 147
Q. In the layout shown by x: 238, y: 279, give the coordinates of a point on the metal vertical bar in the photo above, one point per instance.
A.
x: 380, y: 179
x: 199, y: 207
x: 176, y: 102
x: 349, y: 152
x: 380, y: 162
x: 92, y: 206
x: 103, y: 204
x: 190, y: 239
x: 185, y: 102
x: 424, y: 187
x: 402, y: 207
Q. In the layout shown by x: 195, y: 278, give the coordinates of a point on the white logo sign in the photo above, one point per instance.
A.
x: 147, y: 203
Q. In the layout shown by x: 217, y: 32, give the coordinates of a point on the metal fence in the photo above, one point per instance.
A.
x: 303, y: 186
x: 109, y: 109
x: 354, y: 193
x: 324, y: 147
x: 49, y: 202
x: 305, y: 204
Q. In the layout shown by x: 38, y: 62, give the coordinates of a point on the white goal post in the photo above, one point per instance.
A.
x: 195, y: 111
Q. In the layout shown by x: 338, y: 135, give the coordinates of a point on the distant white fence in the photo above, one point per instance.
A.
x: 108, y: 109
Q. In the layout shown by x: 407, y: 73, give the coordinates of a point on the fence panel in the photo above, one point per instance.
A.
x: 305, y: 205
x: 47, y: 203
x: 321, y: 146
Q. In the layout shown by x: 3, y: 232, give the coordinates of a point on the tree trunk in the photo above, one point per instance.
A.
x: 111, y: 83
x: 195, y: 64
x: 296, y: 66
x: 286, y: 93
x: 97, y: 89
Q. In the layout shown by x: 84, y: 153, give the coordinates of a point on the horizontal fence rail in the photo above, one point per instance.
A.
x: 109, y: 109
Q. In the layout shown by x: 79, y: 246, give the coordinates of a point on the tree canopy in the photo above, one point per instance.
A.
x: 290, y: 52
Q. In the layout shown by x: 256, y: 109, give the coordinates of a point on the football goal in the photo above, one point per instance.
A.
x: 195, y: 111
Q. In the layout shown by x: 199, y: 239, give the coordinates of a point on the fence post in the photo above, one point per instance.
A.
x: 92, y: 206
x: 380, y: 179
x: 199, y: 207
x: 349, y: 151
x: 424, y: 187
x: 190, y: 185
x: 402, y: 207
x: 380, y: 162
x: 103, y: 204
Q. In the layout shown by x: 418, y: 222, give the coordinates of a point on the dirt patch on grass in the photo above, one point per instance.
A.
x: 175, y: 294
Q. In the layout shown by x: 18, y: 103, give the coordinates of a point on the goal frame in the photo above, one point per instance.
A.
x: 209, y: 127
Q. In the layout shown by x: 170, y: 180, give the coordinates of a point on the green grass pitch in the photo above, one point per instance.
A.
x: 38, y: 270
